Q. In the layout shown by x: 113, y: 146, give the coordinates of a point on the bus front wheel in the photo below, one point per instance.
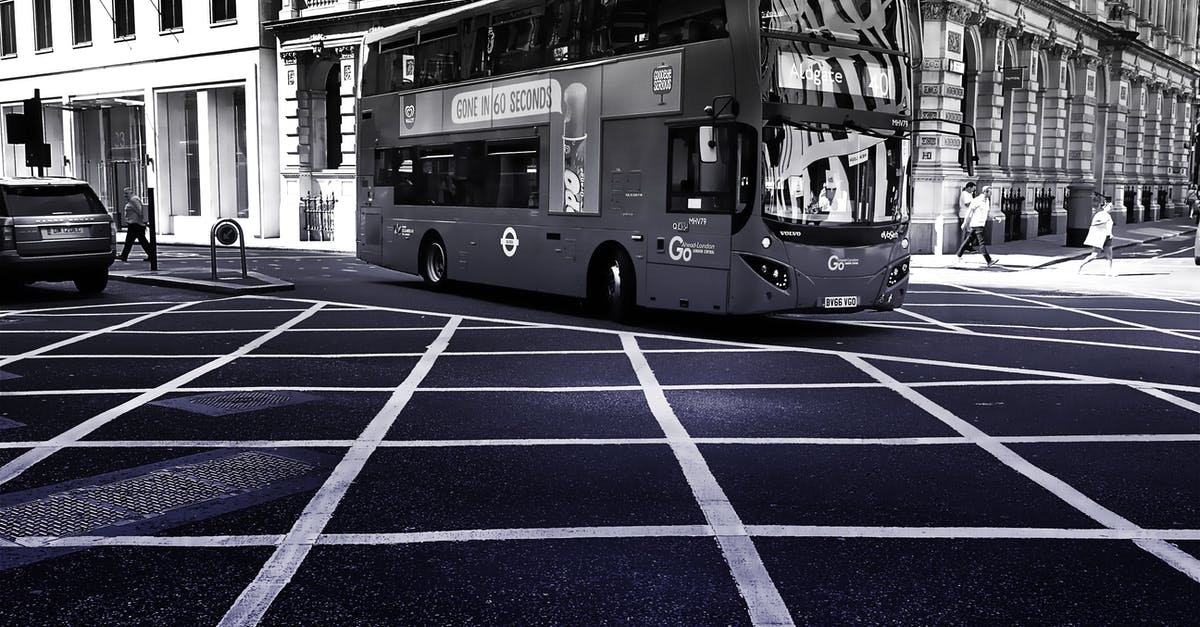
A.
x: 613, y: 286
x: 433, y: 263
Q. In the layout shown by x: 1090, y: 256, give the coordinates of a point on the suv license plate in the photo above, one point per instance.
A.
x: 840, y: 302
x: 59, y: 232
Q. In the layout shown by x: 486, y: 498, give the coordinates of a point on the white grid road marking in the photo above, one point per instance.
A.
x: 256, y: 599
x: 763, y: 601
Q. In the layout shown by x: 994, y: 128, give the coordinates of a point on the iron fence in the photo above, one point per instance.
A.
x: 1043, y: 203
x: 1012, y: 203
x: 1162, y: 202
x: 316, y: 214
x: 1130, y: 205
x: 1147, y: 198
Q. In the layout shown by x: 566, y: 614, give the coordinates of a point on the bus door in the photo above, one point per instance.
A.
x: 690, y: 242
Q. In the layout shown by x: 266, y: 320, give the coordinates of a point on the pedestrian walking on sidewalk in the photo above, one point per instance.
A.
x: 1193, y: 203
x: 135, y: 225
x: 964, y: 208
x: 977, y: 216
x: 1099, y: 236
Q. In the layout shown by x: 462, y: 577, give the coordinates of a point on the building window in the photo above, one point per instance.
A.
x: 42, y: 36
x: 123, y: 26
x: 81, y: 22
x: 170, y: 15
x: 224, y: 10
x: 8, y: 29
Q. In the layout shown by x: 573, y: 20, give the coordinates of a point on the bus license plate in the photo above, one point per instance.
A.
x: 840, y: 302
x: 60, y: 232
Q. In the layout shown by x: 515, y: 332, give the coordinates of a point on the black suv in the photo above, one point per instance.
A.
x: 54, y: 229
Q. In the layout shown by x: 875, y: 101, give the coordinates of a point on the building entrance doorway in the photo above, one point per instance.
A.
x: 110, y: 148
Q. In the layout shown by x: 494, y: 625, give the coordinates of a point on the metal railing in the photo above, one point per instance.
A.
x: 1043, y: 203
x: 316, y: 218
x: 1163, y: 197
x: 1012, y: 203
x: 1147, y: 198
x: 1130, y: 205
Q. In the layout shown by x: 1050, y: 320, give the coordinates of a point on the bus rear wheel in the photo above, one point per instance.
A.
x: 433, y: 263
x: 613, y: 286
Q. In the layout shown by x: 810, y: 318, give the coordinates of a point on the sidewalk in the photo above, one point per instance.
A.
x: 197, y: 274
x: 1048, y: 250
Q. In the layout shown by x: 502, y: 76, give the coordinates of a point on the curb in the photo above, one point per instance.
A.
x: 254, y: 283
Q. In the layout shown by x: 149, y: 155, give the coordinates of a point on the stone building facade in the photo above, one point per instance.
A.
x: 319, y: 59
x: 1069, y: 100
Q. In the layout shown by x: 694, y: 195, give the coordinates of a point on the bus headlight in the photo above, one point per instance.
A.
x: 897, y: 273
x: 772, y: 272
x: 904, y: 243
x: 766, y: 242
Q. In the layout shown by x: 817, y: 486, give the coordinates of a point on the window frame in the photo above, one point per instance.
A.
x: 453, y: 150
x: 177, y: 14
x: 43, y: 26
x: 229, y: 9
x: 81, y: 22
x: 8, y: 23
x: 738, y: 190
x: 124, y: 9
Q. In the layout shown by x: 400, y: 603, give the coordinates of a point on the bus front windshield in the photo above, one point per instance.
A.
x: 835, y: 86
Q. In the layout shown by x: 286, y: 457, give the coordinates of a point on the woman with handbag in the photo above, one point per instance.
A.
x: 1099, y: 236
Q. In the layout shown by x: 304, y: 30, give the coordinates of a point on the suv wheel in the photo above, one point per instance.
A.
x: 92, y: 283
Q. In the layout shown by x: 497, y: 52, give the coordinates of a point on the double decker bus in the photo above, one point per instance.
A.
x: 720, y: 156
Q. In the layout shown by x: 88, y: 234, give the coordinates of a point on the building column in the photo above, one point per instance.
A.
x: 1115, y: 174
x: 1137, y: 173
x: 1152, y: 168
x: 295, y: 182
x: 1082, y: 129
x: 1024, y: 112
x: 1168, y: 164
x: 989, y: 104
x: 938, y: 176
x: 1179, y: 141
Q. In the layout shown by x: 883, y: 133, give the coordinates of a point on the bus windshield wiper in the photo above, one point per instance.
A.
x: 848, y: 124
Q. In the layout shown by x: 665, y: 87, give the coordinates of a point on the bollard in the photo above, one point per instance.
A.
x: 226, y: 232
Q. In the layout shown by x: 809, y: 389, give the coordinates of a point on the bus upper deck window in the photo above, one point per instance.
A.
x: 563, y: 22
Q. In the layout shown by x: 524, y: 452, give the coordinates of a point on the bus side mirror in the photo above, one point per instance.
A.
x: 971, y: 157
x: 708, y: 144
x: 773, y: 140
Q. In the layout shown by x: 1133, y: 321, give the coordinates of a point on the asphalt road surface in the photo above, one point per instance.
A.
x: 1011, y: 447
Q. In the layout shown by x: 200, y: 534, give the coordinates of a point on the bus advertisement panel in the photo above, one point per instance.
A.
x: 679, y: 154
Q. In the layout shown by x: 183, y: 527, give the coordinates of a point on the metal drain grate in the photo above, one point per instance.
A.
x: 89, y: 508
x: 246, y: 471
x: 225, y: 403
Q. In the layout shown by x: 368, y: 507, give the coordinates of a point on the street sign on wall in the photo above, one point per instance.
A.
x: 1014, y: 77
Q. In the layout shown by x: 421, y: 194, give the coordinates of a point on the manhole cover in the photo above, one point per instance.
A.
x: 226, y: 403
x: 87, y: 508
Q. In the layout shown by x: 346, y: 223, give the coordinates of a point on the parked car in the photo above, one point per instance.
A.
x: 54, y: 229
